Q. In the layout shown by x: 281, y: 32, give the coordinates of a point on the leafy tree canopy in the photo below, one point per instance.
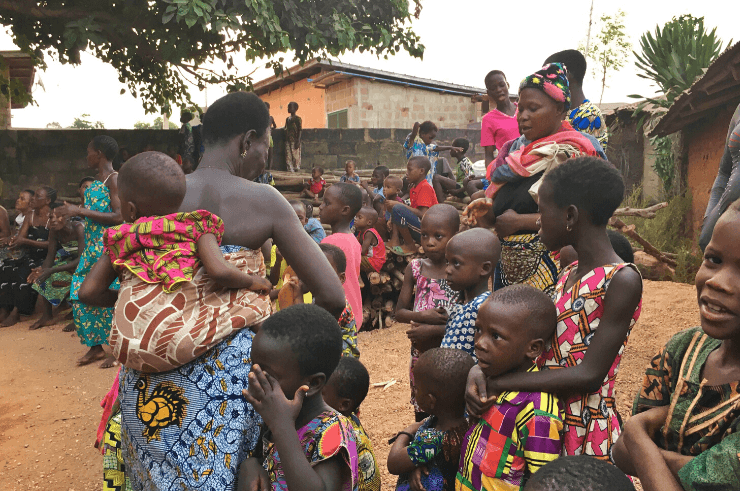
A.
x: 155, y: 125
x: 156, y: 46
x: 82, y: 123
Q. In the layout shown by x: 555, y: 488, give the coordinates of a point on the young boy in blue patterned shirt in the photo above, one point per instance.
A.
x: 471, y: 258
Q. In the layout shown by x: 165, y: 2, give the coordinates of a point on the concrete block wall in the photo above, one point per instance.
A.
x: 57, y: 158
x: 368, y: 147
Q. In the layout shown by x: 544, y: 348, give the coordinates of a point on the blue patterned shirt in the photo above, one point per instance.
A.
x: 587, y: 118
x: 460, y: 328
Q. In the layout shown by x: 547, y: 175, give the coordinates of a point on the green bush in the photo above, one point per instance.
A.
x: 670, y: 231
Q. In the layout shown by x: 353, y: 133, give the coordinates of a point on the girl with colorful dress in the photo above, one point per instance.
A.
x: 27, y: 251
x: 425, y: 282
x: 685, y: 430
x: 598, y: 300
x: 179, y: 295
x: 101, y: 209
x: 53, y: 279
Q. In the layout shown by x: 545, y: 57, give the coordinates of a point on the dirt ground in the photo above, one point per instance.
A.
x: 49, y: 407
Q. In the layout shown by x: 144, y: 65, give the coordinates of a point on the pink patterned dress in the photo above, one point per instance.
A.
x: 592, y: 424
x: 430, y: 294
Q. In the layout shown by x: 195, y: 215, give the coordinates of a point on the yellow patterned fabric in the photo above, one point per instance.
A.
x: 114, y: 470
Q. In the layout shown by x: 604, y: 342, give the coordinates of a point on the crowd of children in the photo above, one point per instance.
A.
x: 512, y: 386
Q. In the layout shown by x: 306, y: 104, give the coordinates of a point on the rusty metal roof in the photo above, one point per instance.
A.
x: 335, y: 71
x: 20, y: 67
x: 719, y: 85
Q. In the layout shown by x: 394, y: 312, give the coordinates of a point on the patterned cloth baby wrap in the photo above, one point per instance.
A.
x: 169, y: 311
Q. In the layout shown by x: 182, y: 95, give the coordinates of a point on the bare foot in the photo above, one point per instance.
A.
x: 69, y: 316
x: 12, y: 319
x: 94, y: 354
x: 109, y: 362
x: 69, y: 327
x: 42, y: 322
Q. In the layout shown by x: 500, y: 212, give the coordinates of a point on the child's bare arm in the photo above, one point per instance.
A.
x: 446, y: 148
x: 369, y: 241
x: 252, y: 476
x: 399, y: 461
x: 404, y: 306
x: 95, y: 288
x: 414, y: 132
x: 223, y: 273
x: 620, y: 302
x: 645, y: 455
x: 279, y: 414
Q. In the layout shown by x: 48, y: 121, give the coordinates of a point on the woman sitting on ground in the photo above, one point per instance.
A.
x: 53, y: 278
x: 510, y: 207
x: 16, y: 295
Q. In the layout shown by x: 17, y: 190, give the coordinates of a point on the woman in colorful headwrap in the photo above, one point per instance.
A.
x: 510, y: 206
x: 101, y: 209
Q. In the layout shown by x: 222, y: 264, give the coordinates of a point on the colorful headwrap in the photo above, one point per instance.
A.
x: 552, y: 79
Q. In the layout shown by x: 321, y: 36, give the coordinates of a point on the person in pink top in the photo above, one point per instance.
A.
x: 499, y: 124
x: 341, y: 203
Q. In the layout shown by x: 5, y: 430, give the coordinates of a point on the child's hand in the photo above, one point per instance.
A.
x: 433, y: 316
x: 267, y: 398
x: 252, y: 476
x: 424, y: 336
x: 477, y: 401
x: 415, y: 478
x: 476, y: 210
x: 260, y: 284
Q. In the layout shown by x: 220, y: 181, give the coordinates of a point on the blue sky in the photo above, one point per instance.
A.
x: 464, y: 40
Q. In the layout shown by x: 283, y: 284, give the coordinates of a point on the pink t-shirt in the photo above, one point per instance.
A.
x: 496, y: 128
x: 353, y: 250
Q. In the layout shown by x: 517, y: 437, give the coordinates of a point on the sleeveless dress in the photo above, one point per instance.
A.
x: 92, y: 323
x: 592, y: 423
x: 15, y: 291
x: 430, y: 294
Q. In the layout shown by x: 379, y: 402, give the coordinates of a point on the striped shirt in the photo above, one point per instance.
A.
x: 517, y: 435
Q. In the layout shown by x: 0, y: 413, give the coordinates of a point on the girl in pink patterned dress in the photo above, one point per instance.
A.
x: 598, y: 299
x: 433, y: 297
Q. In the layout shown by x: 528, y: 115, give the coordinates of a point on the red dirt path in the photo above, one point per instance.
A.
x: 49, y: 407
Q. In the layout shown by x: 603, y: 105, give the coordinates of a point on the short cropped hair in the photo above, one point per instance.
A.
x: 86, y: 179
x: 491, y: 74
x: 384, y: 171
x: 352, y: 380
x: 337, y: 256
x: 107, y: 145
x: 320, y: 169
x: 293, y: 103
x: 234, y: 114
x: 591, y: 184
x: 28, y: 191
x: 396, y: 181
x: 448, y: 213
x: 446, y: 368
x: 186, y: 117
x: 462, y: 143
x: 427, y: 127
x: 350, y: 195
x: 542, y: 314
x: 421, y: 162
x: 313, y: 335
x: 621, y: 246
x: 574, y: 61
x: 155, y: 181
x: 578, y: 473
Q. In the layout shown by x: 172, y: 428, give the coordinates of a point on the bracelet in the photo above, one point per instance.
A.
x: 399, y: 434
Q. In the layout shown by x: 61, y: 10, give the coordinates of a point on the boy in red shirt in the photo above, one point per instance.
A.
x: 407, y: 219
